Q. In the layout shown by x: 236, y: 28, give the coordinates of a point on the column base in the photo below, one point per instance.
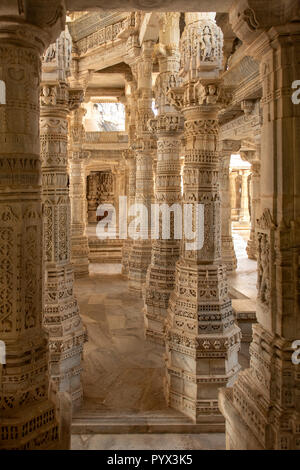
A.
x: 228, y: 254
x: 32, y: 428
x: 127, y: 245
x: 238, y: 434
x: 79, y: 256
x: 154, y: 325
x: 252, y: 247
x: 160, y: 282
x: 139, y: 260
x: 67, y: 334
x: 259, y: 416
x: 196, y: 396
x: 136, y: 287
x: 64, y: 377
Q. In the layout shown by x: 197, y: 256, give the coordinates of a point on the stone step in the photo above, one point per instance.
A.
x: 169, y: 421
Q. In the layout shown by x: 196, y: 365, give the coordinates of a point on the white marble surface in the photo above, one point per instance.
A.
x: 122, y: 372
x: 148, y: 442
x: 245, y: 277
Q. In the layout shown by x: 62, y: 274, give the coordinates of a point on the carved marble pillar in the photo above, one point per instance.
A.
x: 79, y: 240
x: 61, y: 313
x: 92, y: 197
x: 227, y: 148
x: 202, y: 339
x: 167, y: 127
x: 244, y: 212
x: 255, y: 207
x: 28, y: 417
x: 232, y: 184
x: 262, y: 410
x: 131, y: 173
x: 130, y: 162
x: 140, y: 255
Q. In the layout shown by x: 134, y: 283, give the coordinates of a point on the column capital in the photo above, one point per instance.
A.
x: 229, y: 146
x: 76, y: 97
x: 54, y: 95
x: 249, y: 18
x: 34, y: 23
x: 168, y: 123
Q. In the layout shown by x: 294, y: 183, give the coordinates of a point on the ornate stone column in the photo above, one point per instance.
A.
x: 131, y: 174
x: 255, y: 206
x: 79, y: 240
x: 227, y: 148
x: 140, y: 254
x: 202, y: 340
x: 61, y: 313
x: 28, y: 417
x: 262, y: 410
x: 130, y: 161
x: 167, y: 127
x: 232, y: 184
x: 92, y: 197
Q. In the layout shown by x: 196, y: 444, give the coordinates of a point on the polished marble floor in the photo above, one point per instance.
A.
x: 122, y: 372
x: 244, y: 278
x: 148, y: 442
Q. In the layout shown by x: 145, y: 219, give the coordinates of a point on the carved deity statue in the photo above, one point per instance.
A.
x: 207, y: 44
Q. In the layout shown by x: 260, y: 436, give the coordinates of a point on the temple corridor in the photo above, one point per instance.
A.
x: 149, y: 224
x: 123, y: 373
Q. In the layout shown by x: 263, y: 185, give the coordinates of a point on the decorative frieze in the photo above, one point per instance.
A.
x: 100, y: 37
